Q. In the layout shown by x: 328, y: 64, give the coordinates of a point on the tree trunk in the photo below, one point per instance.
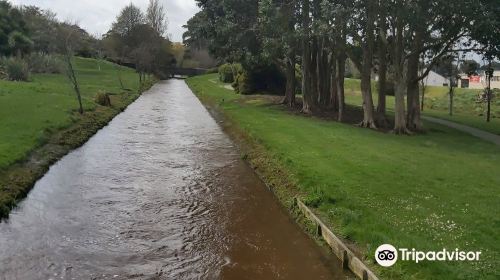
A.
x: 422, y: 100
x: 414, y: 122
x: 382, y: 88
x: 324, y: 71
x: 399, y: 107
x: 488, y: 92
x: 340, y: 85
x: 120, y: 77
x: 488, y: 111
x: 314, y: 72
x: 382, y: 81
x: 290, y: 82
x: 366, y: 90
x: 368, y: 110
x: 74, y: 80
x: 334, y: 97
x: 307, y: 97
x: 450, y: 95
x: 306, y: 80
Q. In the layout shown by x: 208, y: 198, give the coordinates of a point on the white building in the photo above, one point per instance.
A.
x: 479, y: 81
x: 434, y: 79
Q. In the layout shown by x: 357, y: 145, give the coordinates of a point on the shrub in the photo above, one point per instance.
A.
x: 267, y: 79
x: 3, y: 72
x: 44, y: 63
x: 243, y: 83
x: 15, y: 69
x: 102, y: 99
x: 226, y: 73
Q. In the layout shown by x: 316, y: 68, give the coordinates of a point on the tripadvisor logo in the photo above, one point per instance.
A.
x: 387, y: 255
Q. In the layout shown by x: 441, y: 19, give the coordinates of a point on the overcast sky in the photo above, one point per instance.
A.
x: 96, y: 16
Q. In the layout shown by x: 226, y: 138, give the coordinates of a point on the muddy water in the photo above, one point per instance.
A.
x: 158, y: 194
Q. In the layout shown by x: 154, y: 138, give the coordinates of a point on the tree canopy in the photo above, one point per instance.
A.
x: 400, y: 40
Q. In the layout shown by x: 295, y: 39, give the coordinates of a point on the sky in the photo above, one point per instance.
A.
x: 96, y: 16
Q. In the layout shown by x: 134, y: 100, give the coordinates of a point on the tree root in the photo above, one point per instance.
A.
x: 368, y: 124
x: 402, y: 131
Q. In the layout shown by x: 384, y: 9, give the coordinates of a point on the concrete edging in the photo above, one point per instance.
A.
x: 349, y: 260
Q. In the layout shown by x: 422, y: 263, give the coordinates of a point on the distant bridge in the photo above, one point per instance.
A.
x: 178, y: 72
x: 186, y: 72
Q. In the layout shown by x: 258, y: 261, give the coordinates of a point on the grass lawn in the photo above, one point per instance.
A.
x: 30, y: 111
x: 466, y: 110
x: 429, y: 192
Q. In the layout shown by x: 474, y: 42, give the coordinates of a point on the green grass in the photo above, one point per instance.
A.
x: 432, y: 191
x: 31, y: 111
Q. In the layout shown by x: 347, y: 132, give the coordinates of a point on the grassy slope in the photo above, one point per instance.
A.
x: 39, y: 123
x: 432, y: 191
x: 30, y: 111
x: 466, y: 110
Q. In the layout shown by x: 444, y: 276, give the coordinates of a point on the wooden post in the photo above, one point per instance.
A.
x: 345, y: 260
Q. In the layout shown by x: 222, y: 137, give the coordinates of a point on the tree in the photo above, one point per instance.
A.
x: 489, y: 75
x: 382, y: 56
x: 277, y: 24
x: 128, y: 19
x: 399, y: 39
x: 42, y: 26
x: 197, y: 30
x: 70, y: 42
x: 156, y: 17
x: 137, y: 39
x: 469, y: 67
x: 308, y: 102
x: 485, y: 31
x: 14, y: 38
x: 365, y: 25
x: 450, y: 70
x: 20, y: 43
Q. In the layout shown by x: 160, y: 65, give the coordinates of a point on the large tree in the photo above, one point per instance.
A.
x: 278, y: 22
x: 42, y: 26
x: 14, y: 34
x: 156, y: 17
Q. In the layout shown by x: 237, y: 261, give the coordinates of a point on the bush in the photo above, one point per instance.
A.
x: 103, y: 99
x: 226, y: 73
x: 44, y: 63
x: 229, y: 72
x: 3, y: 72
x: 15, y: 69
x: 266, y: 79
x: 243, y: 83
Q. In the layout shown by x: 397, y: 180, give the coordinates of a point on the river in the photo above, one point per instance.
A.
x: 160, y: 193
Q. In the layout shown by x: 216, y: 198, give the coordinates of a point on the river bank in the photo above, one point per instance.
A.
x: 39, y: 123
x: 365, y: 184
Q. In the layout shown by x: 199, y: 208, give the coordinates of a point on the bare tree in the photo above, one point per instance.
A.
x: 69, y: 43
x: 119, y: 74
x: 156, y: 17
